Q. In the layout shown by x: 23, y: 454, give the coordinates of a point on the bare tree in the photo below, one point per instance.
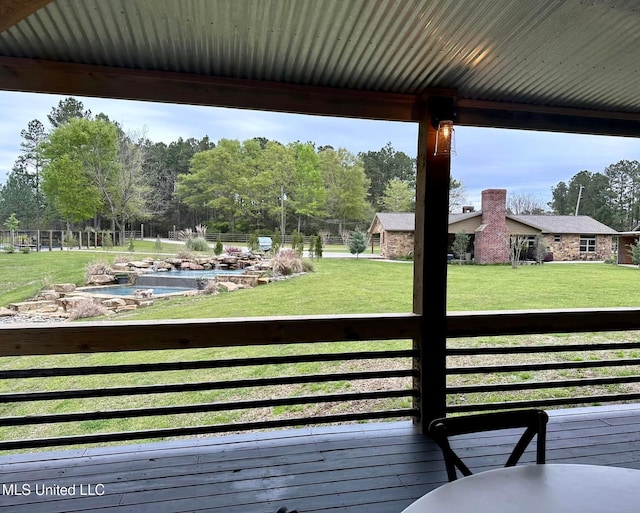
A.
x: 457, y: 195
x: 517, y: 243
x: 130, y: 185
x: 525, y: 204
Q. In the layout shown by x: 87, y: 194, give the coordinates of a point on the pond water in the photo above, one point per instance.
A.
x: 179, y: 278
x: 129, y: 290
x: 197, y: 274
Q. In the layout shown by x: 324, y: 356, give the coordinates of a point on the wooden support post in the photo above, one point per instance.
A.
x: 430, y: 266
x: 50, y: 240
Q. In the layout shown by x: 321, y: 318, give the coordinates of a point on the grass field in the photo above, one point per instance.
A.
x: 349, y: 286
x: 336, y: 286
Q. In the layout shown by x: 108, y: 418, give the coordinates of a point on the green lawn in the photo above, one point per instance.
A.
x: 348, y: 286
x: 366, y: 286
x: 337, y: 286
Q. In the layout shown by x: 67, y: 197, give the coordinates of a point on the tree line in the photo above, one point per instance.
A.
x: 86, y: 171
x: 611, y: 197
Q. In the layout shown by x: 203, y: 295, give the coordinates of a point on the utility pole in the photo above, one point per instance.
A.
x: 579, y: 198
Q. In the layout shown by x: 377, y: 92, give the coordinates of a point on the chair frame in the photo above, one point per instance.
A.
x: 534, y: 420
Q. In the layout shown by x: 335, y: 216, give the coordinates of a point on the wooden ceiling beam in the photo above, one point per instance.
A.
x: 28, y: 75
x: 40, y: 76
x: 547, y: 118
x: 14, y: 11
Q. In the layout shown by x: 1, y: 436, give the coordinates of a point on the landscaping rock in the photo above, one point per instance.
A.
x: 101, y: 279
x: 140, y: 264
x: 126, y: 308
x: 70, y: 302
x: 64, y: 287
x: 143, y: 293
x: 27, y: 306
x: 50, y: 295
x: 114, y: 302
x: 229, y: 286
x: 5, y: 312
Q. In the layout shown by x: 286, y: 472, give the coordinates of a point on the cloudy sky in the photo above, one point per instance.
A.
x: 522, y: 162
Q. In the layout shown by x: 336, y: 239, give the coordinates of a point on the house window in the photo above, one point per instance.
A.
x: 557, y: 238
x: 587, y: 243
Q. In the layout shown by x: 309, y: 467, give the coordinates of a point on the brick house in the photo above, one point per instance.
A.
x: 565, y: 238
x: 396, y: 233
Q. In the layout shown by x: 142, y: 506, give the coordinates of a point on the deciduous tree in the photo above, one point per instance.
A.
x: 398, y: 197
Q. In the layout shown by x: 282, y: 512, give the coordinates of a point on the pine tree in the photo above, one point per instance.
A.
x: 357, y: 242
x: 318, y: 247
x: 218, y: 248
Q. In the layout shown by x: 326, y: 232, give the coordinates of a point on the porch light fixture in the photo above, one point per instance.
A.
x: 442, y: 117
x: 444, y: 139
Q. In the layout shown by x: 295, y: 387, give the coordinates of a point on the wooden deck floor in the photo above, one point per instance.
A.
x: 370, y: 468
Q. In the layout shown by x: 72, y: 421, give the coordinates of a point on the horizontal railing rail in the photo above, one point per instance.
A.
x: 287, y: 384
x: 602, y: 357
x: 278, y: 382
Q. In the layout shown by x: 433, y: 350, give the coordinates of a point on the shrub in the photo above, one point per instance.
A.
x: 253, y: 242
x: 195, y: 241
x: 219, y: 248
x: 312, y: 246
x: 70, y: 240
x: 107, y: 241
x: 286, y: 263
x: 88, y: 308
x: 357, y: 242
x: 183, y: 254
x: 201, y: 231
x: 131, y: 248
x: 211, y: 287
x: 197, y: 244
x: 157, y: 246
x: 276, y: 242
x: 297, y: 243
x: 47, y: 282
x: 26, y: 249
x: 96, y: 267
x: 318, y: 249
x: 185, y: 234
x: 308, y: 266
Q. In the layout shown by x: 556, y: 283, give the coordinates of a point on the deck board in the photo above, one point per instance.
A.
x: 363, y: 468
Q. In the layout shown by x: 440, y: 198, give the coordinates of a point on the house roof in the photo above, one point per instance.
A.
x: 566, y: 224
x: 405, y: 222
x: 568, y: 66
x: 396, y: 222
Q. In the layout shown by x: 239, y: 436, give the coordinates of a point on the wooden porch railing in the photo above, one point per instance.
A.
x: 86, y: 338
x: 100, y: 337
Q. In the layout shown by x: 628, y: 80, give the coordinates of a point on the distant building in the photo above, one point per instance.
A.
x: 566, y: 238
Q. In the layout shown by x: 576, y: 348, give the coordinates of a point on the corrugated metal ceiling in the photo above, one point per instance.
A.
x: 567, y: 53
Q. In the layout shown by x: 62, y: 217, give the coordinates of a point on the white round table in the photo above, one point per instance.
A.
x: 546, y: 488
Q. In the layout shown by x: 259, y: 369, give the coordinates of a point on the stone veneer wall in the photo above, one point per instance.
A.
x: 491, y: 243
x: 396, y: 244
x: 568, y: 249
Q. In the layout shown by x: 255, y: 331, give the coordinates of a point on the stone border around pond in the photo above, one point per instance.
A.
x: 59, y: 302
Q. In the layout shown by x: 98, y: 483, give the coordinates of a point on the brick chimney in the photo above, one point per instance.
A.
x: 468, y: 208
x: 491, y: 241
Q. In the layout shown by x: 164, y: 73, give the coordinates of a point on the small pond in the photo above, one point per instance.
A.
x: 198, y: 274
x: 129, y: 290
